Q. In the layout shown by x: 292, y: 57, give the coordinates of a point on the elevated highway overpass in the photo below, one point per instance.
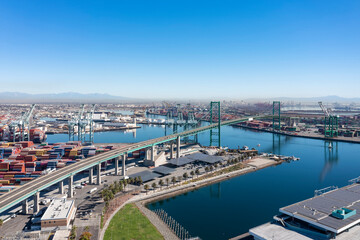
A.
x: 34, y: 187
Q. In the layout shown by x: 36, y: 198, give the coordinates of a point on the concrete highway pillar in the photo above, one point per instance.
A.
x: 171, y: 150
x: 36, y: 202
x: 91, y: 175
x: 147, y: 152
x: 116, y: 166
x: 71, y: 190
x: 25, y: 207
x: 61, y: 187
x: 152, y: 153
x: 178, y: 147
x: 98, y: 179
x: 123, y: 165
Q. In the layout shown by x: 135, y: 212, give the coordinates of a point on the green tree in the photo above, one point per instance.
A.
x: 85, y: 236
x: 197, y: 172
x: 211, y: 168
x: 161, y: 183
x: 192, y: 173
x: 173, y: 180
x: 140, y: 180
x: 73, y: 233
x: 179, y: 178
x: 153, y: 186
x: 206, y: 169
x: 125, y: 182
x: 167, y: 181
x: 146, y: 187
x: 185, y: 176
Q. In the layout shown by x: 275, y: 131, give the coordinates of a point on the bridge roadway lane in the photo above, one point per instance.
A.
x: 10, y: 199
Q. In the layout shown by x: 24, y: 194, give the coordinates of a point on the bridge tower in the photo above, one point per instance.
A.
x: 215, y: 117
x: 276, y: 115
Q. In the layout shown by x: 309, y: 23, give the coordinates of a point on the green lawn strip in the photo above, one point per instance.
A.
x: 130, y: 224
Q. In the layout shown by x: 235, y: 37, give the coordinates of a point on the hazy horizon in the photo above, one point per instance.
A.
x: 182, y: 49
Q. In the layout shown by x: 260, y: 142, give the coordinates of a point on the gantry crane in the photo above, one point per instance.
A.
x: 330, y: 122
x: 82, y: 121
x: 23, y: 124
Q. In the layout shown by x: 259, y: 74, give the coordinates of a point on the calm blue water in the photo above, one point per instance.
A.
x: 230, y: 208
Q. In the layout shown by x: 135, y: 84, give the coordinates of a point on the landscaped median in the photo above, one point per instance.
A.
x: 130, y: 223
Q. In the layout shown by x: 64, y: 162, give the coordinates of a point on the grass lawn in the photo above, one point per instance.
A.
x: 130, y: 224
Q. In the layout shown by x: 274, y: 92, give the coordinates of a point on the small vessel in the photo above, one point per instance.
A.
x: 258, y: 145
x: 330, y: 145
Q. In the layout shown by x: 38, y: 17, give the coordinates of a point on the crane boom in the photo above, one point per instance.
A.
x: 326, y: 112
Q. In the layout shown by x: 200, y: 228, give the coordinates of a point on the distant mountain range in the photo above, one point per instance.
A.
x: 328, y: 99
x: 17, y: 97
x: 73, y: 97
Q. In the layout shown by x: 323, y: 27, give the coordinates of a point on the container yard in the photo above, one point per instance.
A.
x: 20, y: 162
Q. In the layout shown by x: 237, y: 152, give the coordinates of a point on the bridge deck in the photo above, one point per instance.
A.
x: 14, y: 197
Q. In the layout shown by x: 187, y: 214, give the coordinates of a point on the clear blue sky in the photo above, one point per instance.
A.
x: 181, y: 49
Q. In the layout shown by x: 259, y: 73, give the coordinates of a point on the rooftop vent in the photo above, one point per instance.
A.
x: 343, y: 213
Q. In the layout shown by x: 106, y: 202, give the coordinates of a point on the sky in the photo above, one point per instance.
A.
x: 181, y: 49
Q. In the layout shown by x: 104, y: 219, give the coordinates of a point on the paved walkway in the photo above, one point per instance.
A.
x: 157, y: 222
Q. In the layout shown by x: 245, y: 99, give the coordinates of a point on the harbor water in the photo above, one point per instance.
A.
x: 224, y: 210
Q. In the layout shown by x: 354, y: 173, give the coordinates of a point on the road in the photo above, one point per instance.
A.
x: 16, y: 196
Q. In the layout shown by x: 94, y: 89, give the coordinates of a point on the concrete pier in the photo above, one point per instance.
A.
x: 91, y: 175
x: 98, y: 179
x: 25, y: 207
x: 61, y: 187
x: 123, y: 165
x: 36, y: 202
x: 178, y: 147
x: 70, y: 190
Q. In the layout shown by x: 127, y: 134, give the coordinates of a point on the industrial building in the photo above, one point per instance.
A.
x: 332, y: 213
x: 58, y: 215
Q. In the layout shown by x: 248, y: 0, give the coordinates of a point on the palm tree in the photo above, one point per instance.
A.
x: 173, y: 180
x: 206, y: 169
x: 167, y: 181
x: 179, y: 178
x: 192, y: 174
x: 161, y: 183
x: 153, y: 186
x: 185, y: 176
x: 140, y: 181
x: 197, y: 172
x: 146, y: 187
x: 211, y: 168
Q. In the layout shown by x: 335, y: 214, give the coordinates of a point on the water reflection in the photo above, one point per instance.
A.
x: 133, y: 131
x: 331, y: 157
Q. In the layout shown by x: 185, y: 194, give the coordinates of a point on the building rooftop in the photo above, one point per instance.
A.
x: 195, y: 157
x: 163, y: 170
x: 318, y: 210
x: 59, y: 209
x: 145, y: 175
x: 205, y: 158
